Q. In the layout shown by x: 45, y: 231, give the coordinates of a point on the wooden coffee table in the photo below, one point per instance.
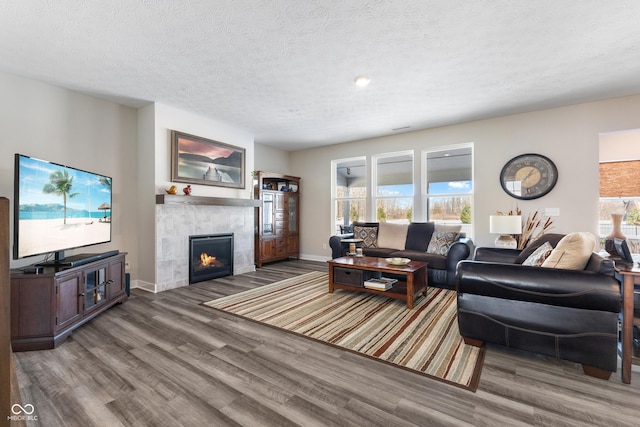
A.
x: 350, y: 273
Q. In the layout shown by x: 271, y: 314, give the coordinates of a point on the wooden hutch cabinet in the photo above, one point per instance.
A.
x: 277, y: 228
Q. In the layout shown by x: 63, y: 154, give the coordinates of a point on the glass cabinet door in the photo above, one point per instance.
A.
x: 293, y: 217
x: 95, y: 288
x: 267, y: 213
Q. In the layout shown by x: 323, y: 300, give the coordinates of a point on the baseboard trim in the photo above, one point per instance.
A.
x: 308, y: 257
x: 145, y: 286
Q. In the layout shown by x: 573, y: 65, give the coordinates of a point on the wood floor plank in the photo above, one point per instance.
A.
x: 165, y: 360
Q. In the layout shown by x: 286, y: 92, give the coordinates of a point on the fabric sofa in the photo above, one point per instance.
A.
x: 565, y: 313
x: 441, y: 246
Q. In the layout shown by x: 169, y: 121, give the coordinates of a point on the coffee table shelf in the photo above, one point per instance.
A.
x: 349, y: 273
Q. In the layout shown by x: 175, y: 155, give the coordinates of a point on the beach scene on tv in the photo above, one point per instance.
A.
x: 61, y: 207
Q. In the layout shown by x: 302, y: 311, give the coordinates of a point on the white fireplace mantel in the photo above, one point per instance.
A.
x: 169, y: 199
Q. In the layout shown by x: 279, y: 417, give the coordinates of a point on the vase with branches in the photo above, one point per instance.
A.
x: 533, y: 227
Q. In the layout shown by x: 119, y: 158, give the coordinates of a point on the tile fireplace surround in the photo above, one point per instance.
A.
x: 176, y: 221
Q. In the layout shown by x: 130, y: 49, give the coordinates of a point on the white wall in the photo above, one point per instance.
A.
x: 271, y: 159
x: 166, y: 119
x: 569, y: 136
x: 620, y: 146
x: 146, y: 217
x: 67, y: 127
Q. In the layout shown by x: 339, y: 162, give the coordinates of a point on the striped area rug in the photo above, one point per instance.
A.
x: 425, y: 339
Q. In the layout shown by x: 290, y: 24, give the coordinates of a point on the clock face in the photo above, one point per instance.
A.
x: 528, y: 176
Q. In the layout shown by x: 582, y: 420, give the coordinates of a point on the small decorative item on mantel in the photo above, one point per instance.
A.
x: 172, y: 190
x: 187, y: 190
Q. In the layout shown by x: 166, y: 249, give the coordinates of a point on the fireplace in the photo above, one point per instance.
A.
x: 210, y: 256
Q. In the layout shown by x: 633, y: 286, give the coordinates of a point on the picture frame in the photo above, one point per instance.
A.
x: 197, y: 160
x: 623, y: 250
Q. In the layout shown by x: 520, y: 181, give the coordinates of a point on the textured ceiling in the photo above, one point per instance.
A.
x: 284, y: 69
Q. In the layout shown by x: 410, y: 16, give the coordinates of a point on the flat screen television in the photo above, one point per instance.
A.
x: 58, y: 207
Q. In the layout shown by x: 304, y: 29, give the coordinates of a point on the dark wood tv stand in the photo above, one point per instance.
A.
x: 46, y: 307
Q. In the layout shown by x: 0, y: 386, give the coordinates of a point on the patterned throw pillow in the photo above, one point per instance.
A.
x: 369, y: 235
x: 442, y: 238
x: 539, y: 255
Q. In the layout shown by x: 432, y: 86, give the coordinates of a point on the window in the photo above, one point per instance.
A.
x: 620, y: 193
x: 619, y: 154
x: 350, y: 192
x: 394, y: 187
x: 448, y: 186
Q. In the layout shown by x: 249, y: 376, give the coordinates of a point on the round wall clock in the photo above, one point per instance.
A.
x: 528, y: 176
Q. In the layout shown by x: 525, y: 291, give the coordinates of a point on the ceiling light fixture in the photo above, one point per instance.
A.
x: 362, y: 81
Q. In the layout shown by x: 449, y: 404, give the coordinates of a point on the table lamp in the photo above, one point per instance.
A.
x: 505, y: 226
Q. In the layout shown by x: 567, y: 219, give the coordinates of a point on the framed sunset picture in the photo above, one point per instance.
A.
x: 197, y: 160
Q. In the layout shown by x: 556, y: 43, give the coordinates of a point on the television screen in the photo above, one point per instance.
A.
x: 58, y: 207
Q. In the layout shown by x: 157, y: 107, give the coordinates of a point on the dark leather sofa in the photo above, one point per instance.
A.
x: 567, y: 314
x: 441, y: 270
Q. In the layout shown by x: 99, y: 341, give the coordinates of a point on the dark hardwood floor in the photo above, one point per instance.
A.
x: 165, y: 360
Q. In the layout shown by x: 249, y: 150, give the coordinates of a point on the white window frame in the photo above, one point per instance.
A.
x: 334, y: 185
x: 425, y: 196
x: 374, y: 182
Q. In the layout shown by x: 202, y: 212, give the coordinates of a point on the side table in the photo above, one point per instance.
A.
x: 346, y: 244
x: 630, y: 277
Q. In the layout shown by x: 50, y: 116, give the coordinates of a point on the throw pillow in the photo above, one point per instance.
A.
x: 552, y: 238
x: 369, y: 235
x: 539, y: 255
x: 419, y: 235
x: 442, y: 238
x: 572, y: 252
x: 392, y: 236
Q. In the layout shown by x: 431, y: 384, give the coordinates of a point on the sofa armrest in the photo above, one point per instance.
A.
x: 458, y: 251
x: 567, y: 288
x: 336, y: 246
x: 488, y: 254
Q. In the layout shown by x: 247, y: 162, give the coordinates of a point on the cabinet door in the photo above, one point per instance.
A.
x: 267, y: 213
x: 292, y: 206
x: 69, y: 300
x: 95, y: 287
x: 115, y: 279
x: 267, y: 248
x: 280, y: 202
x: 33, y: 305
x: 293, y: 245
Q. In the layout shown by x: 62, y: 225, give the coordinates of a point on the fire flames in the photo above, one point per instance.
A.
x: 207, y: 260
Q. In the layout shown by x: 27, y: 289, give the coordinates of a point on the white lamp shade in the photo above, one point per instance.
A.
x: 505, y: 224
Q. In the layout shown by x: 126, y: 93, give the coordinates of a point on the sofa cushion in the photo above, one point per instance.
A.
x: 438, y: 262
x: 392, y: 235
x: 553, y: 240
x: 539, y: 255
x: 369, y: 235
x: 572, y: 252
x: 442, y: 238
x: 419, y: 236
x: 378, y: 252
